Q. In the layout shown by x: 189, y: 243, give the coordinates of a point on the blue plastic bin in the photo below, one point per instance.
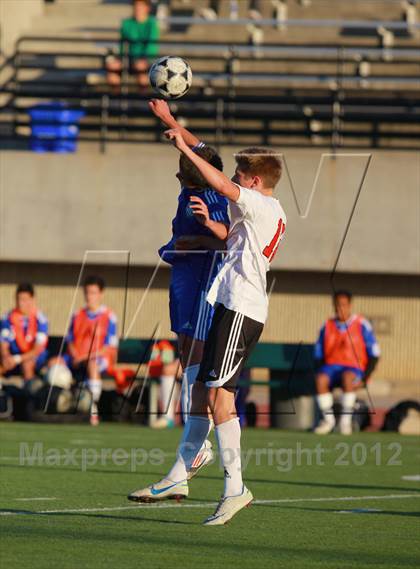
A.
x: 55, y: 127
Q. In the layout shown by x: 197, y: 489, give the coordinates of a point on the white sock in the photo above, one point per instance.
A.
x: 347, y: 403
x: 195, y: 433
x: 188, y: 380
x: 166, y: 396
x: 228, y: 436
x: 95, y: 387
x: 325, y: 403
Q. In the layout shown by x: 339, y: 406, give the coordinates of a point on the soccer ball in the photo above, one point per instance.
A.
x: 171, y: 77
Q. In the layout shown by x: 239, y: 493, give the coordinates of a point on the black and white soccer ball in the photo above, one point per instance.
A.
x: 171, y: 77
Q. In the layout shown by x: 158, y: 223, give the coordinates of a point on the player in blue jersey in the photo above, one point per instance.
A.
x: 199, y: 231
x: 23, y: 336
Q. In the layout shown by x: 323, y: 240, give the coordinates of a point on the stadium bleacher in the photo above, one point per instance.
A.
x: 331, y: 75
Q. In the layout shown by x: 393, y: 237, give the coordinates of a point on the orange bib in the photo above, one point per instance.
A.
x: 345, y: 347
x: 24, y: 341
x: 89, y: 334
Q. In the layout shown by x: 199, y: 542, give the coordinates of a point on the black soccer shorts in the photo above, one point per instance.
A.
x: 231, y: 339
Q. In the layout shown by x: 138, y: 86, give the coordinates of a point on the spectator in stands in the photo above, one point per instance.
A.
x: 23, y: 336
x: 346, y: 353
x: 165, y: 366
x: 138, y: 46
x: 92, y: 341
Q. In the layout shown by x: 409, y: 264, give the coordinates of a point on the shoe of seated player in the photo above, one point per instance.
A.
x: 165, y: 489
x: 94, y: 420
x: 94, y: 416
x: 203, y: 458
x: 345, y: 428
x: 228, y: 507
x: 324, y: 427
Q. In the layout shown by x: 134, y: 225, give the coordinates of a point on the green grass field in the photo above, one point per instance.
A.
x: 349, y: 508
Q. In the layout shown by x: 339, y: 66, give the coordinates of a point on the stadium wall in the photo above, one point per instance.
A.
x: 55, y: 207
x: 16, y: 18
x: 300, y: 302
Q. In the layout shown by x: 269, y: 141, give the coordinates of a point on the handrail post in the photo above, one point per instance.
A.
x: 220, y: 111
x: 104, y: 121
x: 125, y: 61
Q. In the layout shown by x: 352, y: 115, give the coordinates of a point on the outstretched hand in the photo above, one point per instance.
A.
x: 160, y: 108
x: 175, y: 136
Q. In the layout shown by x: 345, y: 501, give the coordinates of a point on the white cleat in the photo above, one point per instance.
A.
x: 94, y: 415
x: 164, y: 490
x: 203, y: 458
x: 324, y: 427
x: 228, y: 507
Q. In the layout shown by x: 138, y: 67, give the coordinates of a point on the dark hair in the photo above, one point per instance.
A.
x: 191, y: 174
x: 342, y: 292
x: 25, y: 287
x: 94, y: 280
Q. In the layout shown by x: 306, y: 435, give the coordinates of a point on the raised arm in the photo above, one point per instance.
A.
x: 161, y: 109
x: 215, y: 179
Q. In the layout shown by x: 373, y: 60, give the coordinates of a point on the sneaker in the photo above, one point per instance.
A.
x: 324, y: 427
x: 204, y: 457
x: 228, y: 507
x: 94, y: 420
x: 94, y: 416
x: 164, y: 490
x: 345, y: 428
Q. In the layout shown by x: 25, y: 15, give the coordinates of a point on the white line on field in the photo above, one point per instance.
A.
x: 166, y: 505
x: 34, y: 499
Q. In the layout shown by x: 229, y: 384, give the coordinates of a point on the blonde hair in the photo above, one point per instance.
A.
x: 260, y: 162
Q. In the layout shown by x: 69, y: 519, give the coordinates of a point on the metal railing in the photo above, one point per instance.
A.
x: 332, y: 97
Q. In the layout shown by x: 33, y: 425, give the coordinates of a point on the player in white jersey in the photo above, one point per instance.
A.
x: 239, y: 292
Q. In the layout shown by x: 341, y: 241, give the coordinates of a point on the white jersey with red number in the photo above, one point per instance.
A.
x: 257, y: 225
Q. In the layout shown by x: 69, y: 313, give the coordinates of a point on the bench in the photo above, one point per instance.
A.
x: 291, y: 374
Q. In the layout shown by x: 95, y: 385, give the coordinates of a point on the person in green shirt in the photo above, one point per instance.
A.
x: 139, y: 43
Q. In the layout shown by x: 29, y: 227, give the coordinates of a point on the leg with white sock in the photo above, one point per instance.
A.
x: 167, y: 394
x: 94, y: 384
x: 188, y: 380
x: 348, y: 400
x: 175, y: 484
x: 228, y: 434
x: 325, y: 402
x: 195, y: 433
x: 166, y: 399
x: 95, y: 388
x: 191, y: 353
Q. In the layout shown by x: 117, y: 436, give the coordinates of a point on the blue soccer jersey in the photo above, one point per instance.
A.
x: 193, y: 273
x: 27, y: 337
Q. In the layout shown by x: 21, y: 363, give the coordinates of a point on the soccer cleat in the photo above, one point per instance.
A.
x: 94, y: 420
x: 204, y: 457
x: 324, y: 427
x: 164, y: 490
x: 228, y: 507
